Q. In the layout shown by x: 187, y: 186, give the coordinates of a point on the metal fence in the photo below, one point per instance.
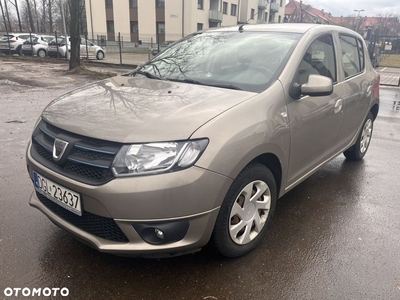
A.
x: 118, y: 48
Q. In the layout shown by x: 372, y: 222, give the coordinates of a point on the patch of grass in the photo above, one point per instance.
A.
x: 390, y: 60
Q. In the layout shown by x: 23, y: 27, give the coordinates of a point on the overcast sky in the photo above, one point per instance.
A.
x: 346, y: 7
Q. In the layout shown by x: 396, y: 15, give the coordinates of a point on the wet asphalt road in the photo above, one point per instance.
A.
x: 335, y: 236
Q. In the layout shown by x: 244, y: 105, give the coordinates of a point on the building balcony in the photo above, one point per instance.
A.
x: 262, y: 4
x: 215, y: 16
x: 274, y: 7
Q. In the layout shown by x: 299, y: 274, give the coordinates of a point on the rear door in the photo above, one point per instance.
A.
x: 315, y: 122
x: 357, y: 86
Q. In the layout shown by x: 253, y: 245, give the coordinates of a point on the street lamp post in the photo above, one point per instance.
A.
x: 358, y: 17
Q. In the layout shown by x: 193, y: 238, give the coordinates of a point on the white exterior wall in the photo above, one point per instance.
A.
x: 122, y: 22
x: 228, y: 20
x: 173, y: 20
x: 173, y: 16
x: 146, y: 19
x: 98, y: 17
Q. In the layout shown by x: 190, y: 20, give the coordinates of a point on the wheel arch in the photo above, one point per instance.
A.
x: 272, y: 162
x: 374, y: 110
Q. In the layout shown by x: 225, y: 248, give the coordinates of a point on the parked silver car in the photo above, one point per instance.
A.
x: 200, y: 142
x: 37, y: 45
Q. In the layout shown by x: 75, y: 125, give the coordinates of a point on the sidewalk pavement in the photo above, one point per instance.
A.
x: 389, y: 76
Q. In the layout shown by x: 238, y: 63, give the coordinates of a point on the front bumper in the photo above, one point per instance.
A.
x: 186, y: 201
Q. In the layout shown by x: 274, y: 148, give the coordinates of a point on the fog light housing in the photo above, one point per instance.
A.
x: 162, y: 233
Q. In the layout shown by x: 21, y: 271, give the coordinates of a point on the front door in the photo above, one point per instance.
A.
x: 315, y: 122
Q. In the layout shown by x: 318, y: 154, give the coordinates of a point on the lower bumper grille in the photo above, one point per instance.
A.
x: 102, y: 227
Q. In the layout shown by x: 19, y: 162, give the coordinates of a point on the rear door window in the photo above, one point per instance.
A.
x: 352, y: 55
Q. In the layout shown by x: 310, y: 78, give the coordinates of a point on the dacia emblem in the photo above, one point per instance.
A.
x: 59, y: 148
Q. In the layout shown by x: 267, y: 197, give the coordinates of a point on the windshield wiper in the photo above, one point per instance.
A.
x: 148, y: 75
x: 192, y: 81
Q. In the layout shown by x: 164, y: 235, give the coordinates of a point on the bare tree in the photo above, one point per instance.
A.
x: 36, y: 15
x: 31, y: 21
x: 8, y: 15
x: 74, y: 33
x: 50, y: 16
x: 4, y: 16
x: 15, y: 4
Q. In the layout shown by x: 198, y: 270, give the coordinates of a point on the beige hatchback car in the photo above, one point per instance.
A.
x: 199, y: 143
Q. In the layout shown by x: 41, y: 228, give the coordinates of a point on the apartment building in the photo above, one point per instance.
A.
x: 169, y: 20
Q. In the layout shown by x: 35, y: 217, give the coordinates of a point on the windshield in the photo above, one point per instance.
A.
x: 248, y: 61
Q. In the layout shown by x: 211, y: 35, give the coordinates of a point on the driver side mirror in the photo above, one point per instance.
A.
x: 316, y: 85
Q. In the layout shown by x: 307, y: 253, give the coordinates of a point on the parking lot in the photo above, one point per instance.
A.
x: 335, y: 236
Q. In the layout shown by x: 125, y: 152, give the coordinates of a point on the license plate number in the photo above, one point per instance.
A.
x: 4, y: 46
x: 64, y: 197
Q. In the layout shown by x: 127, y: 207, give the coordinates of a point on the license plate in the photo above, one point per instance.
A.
x: 64, y: 197
x: 53, y: 47
x: 4, y: 46
x: 26, y: 46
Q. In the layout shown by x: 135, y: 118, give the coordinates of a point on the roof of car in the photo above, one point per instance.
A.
x: 279, y: 27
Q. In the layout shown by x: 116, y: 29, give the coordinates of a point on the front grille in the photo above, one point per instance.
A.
x: 102, y: 227
x: 87, y: 160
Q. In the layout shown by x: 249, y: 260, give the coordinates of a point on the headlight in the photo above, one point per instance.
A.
x: 152, y: 158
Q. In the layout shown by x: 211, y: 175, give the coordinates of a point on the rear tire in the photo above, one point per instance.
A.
x: 246, y: 211
x: 41, y: 53
x: 359, y: 149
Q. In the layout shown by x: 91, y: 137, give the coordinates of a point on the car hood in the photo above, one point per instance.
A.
x: 136, y: 110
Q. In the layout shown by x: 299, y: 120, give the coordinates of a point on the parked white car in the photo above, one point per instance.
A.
x: 37, y: 46
x: 93, y: 51
x: 13, y: 42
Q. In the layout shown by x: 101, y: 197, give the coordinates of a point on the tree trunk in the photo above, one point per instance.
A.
x: 44, y: 27
x: 50, y: 18
x: 8, y: 15
x: 74, y: 33
x: 36, y: 16
x: 19, y: 18
x: 31, y: 23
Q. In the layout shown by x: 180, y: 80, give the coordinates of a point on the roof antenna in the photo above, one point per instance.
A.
x: 241, y: 26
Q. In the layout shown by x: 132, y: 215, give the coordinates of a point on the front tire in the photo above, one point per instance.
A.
x: 246, y: 211
x: 100, y: 55
x: 359, y: 149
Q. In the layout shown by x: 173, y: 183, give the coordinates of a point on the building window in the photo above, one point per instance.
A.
x: 133, y: 3
x: 279, y: 19
x: 252, y: 14
x: 160, y: 3
x: 266, y: 17
x: 200, y: 4
x: 281, y: 3
x: 161, y: 27
x: 110, y: 26
x: 199, y: 26
x: 134, y: 27
x: 109, y: 3
x: 233, y: 9
x: 225, y: 8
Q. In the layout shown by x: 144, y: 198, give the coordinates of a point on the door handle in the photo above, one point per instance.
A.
x: 338, y: 105
x: 368, y: 92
